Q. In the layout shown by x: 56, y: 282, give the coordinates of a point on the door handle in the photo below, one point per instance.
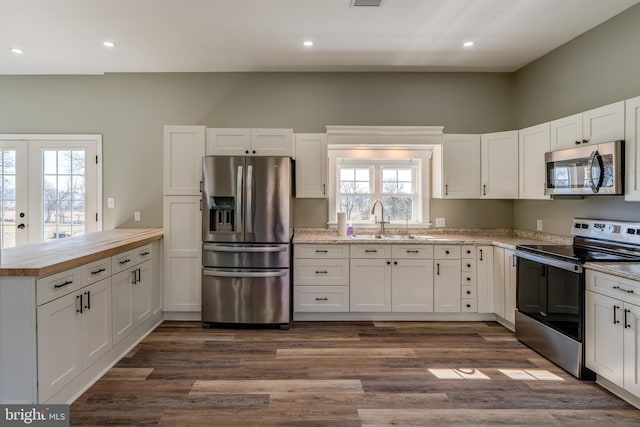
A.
x: 88, y: 306
x: 595, y: 187
x: 615, y: 321
x: 626, y: 325
x: 239, y: 227
x: 438, y: 269
x: 21, y: 226
x: 80, y: 298
x: 249, y: 217
x: 480, y: 254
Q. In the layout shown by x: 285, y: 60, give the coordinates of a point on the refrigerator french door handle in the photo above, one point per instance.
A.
x: 238, y: 226
x: 244, y: 274
x: 227, y: 248
x: 249, y: 217
x: 595, y: 187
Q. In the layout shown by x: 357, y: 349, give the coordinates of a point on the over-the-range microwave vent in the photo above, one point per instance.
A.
x: 366, y: 3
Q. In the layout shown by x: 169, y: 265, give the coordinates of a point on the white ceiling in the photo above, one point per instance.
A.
x: 65, y: 36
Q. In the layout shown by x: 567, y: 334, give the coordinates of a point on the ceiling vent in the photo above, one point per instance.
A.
x: 366, y: 3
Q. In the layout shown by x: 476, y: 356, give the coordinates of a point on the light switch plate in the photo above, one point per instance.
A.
x: 539, y: 225
x: 111, y: 202
x: 136, y: 216
x: 439, y: 222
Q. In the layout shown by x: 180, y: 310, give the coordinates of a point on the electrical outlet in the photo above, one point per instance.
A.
x: 111, y: 202
x: 539, y: 225
x: 136, y: 216
x: 439, y: 222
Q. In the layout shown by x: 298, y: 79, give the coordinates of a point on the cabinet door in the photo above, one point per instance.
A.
x: 272, y: 142
x: 603, y: 124
x: 632, y: 153
x: 632, y: 349
x: 498, y: 281
x: 533, y: 143
x: 183, y: 151
x: 182, y: 254
x: 510, y: 285
x: 499, y: 165
x: 412, y: 285
x: 566, y: 132
x: 96, y: 322
x: 485, y: 281
x: 370, y: 285
x: 461, y: 166
x: 228, y: 142
x: 446, y: 285
x: 122, y: 304
x: 156, y: 274
x: 311, y: 165
x: 604, y: 336
x: 142, y: 292
x: 59, y: 344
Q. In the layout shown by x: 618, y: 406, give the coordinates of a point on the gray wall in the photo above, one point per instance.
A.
x: 130, y: 110
x: 599, y: 67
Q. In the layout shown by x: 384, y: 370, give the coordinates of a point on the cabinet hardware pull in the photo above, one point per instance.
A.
x: 133, y: 277
x: 68, y: 282
x: 446, y: 252
x: 145, y: 253
x: 543, y: 313
x: 321, y: 271
x: 629, y: 291
x: 321, y: 251
x: 88, y: 306
x: 626, y: 325
x: 468, y: 251
x: 468, y: 265
x: 446, y: 189
x: 322, y: 299
x: 468, y: 305
x: 395, y: 262
x: 468, y: 292
x: 438, y: 268
x: 370, y: 251
x: 93, y: 273
x: 139, y: 275
x: 412, y: 252
x: 484, y: 189
x: 577, y: 142
x: 388, y: 262
x: 124, y: 261
x: 468, y: 279
x: 481, y: 254
x: 79, y: 296
x: 513, y: 261
x: 615, y: 321
x: 324, y: 189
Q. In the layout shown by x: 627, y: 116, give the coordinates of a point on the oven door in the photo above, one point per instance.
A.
x: 551, y: 292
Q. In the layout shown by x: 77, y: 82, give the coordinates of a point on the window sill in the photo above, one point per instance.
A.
x: 393, y: 225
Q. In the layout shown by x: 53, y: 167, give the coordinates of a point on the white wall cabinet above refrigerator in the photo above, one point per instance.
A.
x: 249, y: 142
x: 534, y: 142
x: 311, y: 165
x: 499, y: 165
x: 601, y: 124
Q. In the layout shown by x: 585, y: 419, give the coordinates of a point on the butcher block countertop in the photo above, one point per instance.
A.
x: 53, y: 256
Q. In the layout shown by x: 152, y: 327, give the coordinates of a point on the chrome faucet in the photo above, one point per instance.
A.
x: 373, y: 212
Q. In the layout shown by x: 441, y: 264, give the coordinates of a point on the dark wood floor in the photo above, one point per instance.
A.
x: 343, y: 374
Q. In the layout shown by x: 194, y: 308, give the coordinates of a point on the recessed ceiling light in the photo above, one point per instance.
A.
x: 16, y: 50
x: 308, y: 43
x: 108, y: 44
x: 468, y: 44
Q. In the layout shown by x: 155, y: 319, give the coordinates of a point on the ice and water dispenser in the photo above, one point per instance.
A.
x: 221, y: 214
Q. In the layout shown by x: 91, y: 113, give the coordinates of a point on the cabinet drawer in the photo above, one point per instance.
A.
x: 613, y: 286
x: 469, y: 292
x: 468, y: 251
x: 370, y: 251
x: 333, y: 272
x: 468, y: 265
x: 51, y: 287
x: 468, y: 278
x: 446, y: 252
x: 95, y: 271
x: 412, y: 251
x: 468, y: 306
x: 123, y: 261
x: 142, y: 253
x: 321, y: 251
x: 321, y: 298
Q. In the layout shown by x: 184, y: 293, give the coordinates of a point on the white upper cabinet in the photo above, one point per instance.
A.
x: 252, y: 142
x: 499, y: 165
x: 460, y: 166
x: 183, y: 151
x: 591, y: 127
x: 311, y: 165
x: 631, y: 140
x: 533, y: 143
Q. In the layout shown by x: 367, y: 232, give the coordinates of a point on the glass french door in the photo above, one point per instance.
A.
x: 51, y: 187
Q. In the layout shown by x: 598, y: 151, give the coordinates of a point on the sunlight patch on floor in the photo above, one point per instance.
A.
x: 530, y: 374
x: 459, y: 373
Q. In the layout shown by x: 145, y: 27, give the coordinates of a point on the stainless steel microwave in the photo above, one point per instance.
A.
x: 587, y: 170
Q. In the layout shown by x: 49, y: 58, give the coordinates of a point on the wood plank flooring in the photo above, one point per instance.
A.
x: 343, y: 374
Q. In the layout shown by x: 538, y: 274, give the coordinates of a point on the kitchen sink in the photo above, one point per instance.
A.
x: 367, y: 237
x: 390, y: 237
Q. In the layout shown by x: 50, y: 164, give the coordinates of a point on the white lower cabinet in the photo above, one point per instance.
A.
x: 504, y: 284
x: 612, y: 330
x: 446, y: 285
x: 412, y: 285
x: 131, y: 299
x: 370, y: 285
x: 485, y: 278
x: 73, y: 332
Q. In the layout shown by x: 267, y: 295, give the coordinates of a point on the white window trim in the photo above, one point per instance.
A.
x: 367, y: 152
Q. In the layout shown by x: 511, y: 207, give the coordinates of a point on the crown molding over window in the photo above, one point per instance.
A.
x: 384, y: 135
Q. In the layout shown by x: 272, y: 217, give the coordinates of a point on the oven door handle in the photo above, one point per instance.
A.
x: 541, y: 259
x: 592, y: 159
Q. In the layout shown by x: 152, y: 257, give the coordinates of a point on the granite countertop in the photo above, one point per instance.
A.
x: 53, y: 256
x: 627, y: 270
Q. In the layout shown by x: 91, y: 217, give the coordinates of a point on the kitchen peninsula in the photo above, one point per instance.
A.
x: 71, y: 308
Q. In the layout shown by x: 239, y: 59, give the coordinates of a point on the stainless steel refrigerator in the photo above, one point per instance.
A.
x: 245, y: 240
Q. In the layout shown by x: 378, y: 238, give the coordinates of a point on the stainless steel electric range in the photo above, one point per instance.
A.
x: 550, y: 287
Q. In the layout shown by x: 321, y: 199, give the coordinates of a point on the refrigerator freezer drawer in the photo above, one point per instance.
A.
x: 256, y: 256
x: 249, y: 296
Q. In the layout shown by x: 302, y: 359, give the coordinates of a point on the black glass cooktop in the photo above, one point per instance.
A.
x: 580, y: 253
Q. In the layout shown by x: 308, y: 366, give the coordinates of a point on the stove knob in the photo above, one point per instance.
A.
x: 631, y: 231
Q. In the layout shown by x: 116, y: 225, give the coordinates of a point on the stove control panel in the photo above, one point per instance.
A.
x: 619, y: 231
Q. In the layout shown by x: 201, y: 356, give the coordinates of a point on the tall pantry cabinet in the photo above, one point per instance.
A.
x: 184, y: 147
